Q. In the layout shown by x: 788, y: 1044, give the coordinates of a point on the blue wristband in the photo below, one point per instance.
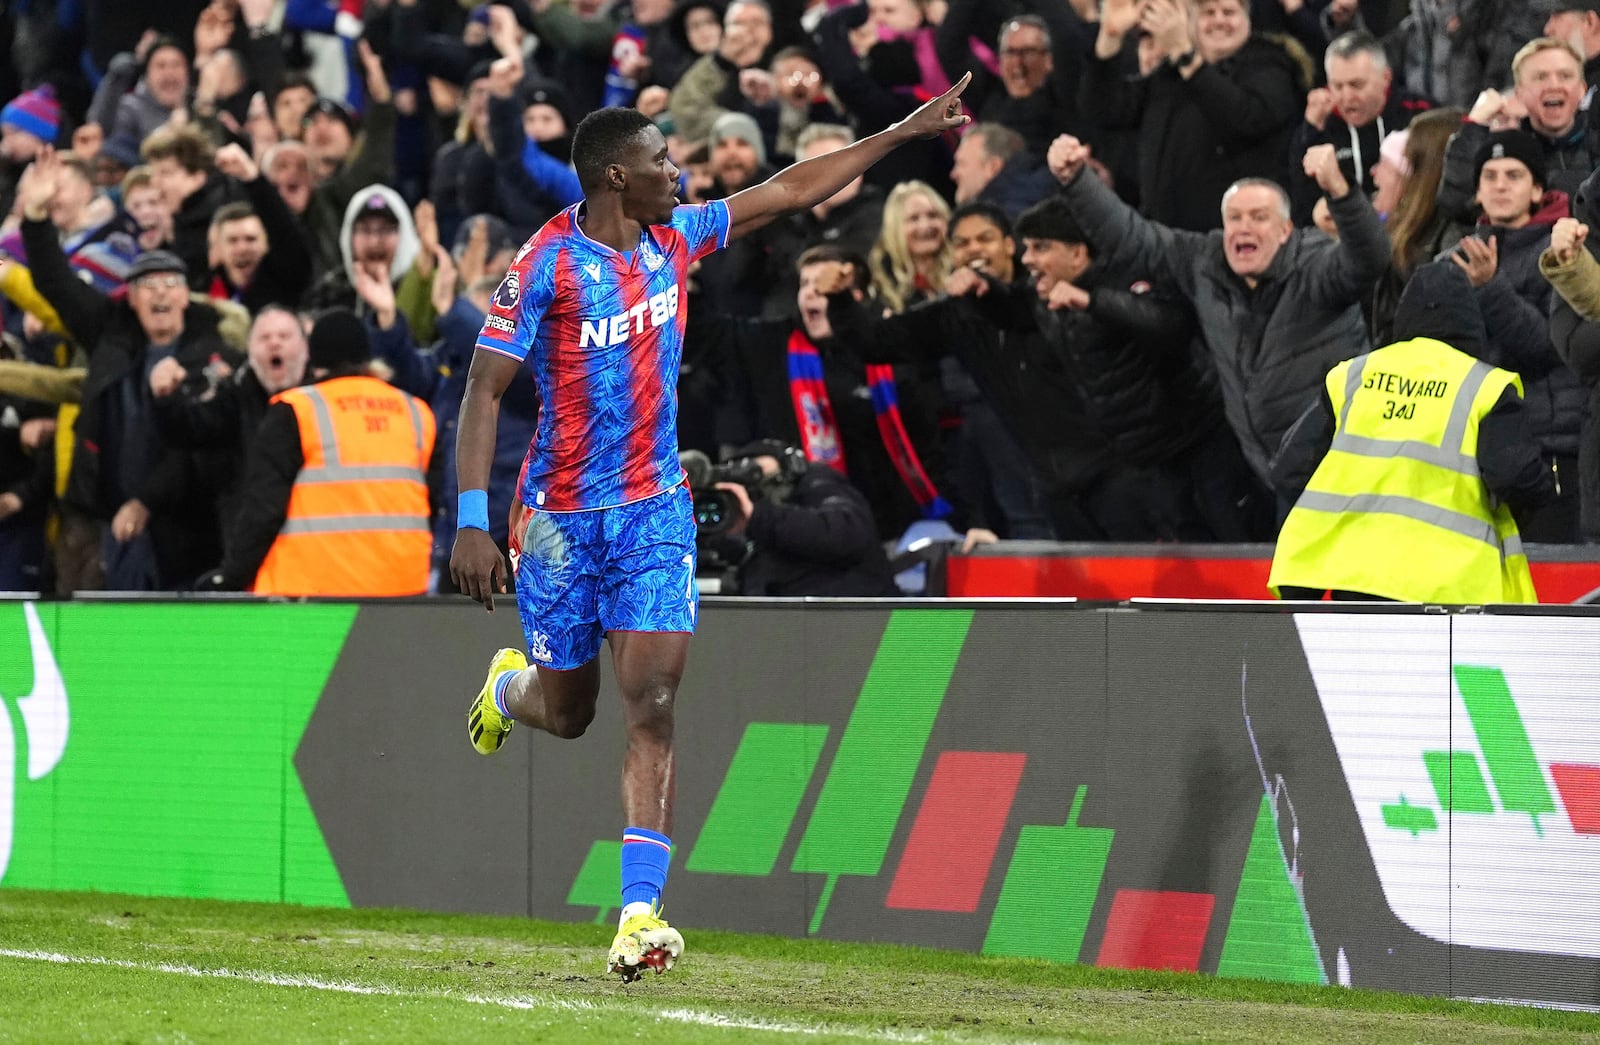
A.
x: 472, y: 510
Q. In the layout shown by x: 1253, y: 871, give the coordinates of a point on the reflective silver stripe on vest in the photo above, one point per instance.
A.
x: 319, y: 409
x: 1352, y: 384
x: 416, y: 423
x: 355, y: 524
x: 356, y: 472
x: 333, y: 472
x: 1421, y: 511
x: 1449, y: 455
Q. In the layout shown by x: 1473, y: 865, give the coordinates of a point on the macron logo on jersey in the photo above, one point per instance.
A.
x: 659, y: 309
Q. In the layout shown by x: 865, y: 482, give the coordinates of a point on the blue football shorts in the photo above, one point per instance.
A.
x: 579, y: 575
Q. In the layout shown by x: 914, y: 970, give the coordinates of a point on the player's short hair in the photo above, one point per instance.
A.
x: 137, y: 178
x: 1051, y: 218
x: 999, y: 141
x: 760, y: 5
x: 815, y: 132
x: 1355, y: 43
x: 1543, y: 43
x: 1284, y: 209
x: 993, y: 213
x: 77, y: 166
x: 188, y: 145
x: 600, y: 139
x: 826, y: 252
x: 294, y: 81
x: 237, y: 211
x: 1025, y: 21
x: 287, y: 149
x: 272, y: 306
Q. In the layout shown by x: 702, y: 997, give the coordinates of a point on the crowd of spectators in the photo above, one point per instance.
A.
x: 1094, y: 315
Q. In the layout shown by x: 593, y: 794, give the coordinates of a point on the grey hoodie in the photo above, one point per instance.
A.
x: 405, y: 253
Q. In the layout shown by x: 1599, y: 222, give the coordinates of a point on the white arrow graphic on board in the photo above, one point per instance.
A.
x: 45, y: 726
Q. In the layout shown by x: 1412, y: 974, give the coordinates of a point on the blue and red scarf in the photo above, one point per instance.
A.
x: 819, y: 431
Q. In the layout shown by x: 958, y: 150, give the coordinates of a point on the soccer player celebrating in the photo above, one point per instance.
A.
x: 602, y: 539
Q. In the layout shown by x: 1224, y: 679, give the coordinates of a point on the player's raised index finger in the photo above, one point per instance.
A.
x: 960, y: 85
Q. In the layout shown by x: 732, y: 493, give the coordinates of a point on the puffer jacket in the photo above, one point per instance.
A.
x: 1273, y: 344
x: 1127, y: 358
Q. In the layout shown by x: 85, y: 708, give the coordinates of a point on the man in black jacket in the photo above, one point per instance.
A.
x: 1577, y: 340
x: 228, y: 415
x: 813, y: 534
x: 264, y: 258
x: 156, y: 504
x: 1171, y: 470
x: 1218, y: 106
x: 1502, y: 264
x: 182, y: 166
x: 1041, y: 59
x: 1355, y: 112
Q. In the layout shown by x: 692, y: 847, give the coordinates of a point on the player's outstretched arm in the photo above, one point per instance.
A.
x: 812, y: 181
x: 475, y: 562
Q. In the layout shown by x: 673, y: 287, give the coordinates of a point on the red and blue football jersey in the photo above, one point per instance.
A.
x: 603, y: 332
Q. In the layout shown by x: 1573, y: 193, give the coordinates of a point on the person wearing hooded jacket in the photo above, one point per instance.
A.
x: 1501, y: 259
x: 377, y: 236
x: 1404, y: 467
x: 1360, y: 107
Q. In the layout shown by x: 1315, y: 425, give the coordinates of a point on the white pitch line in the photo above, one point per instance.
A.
x: 525, y: 1002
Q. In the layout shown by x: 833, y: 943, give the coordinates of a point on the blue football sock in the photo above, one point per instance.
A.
x: 645, y: 856
x: 500, y: 683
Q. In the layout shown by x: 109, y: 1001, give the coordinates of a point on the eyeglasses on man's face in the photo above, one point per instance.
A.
x: 168, y: 281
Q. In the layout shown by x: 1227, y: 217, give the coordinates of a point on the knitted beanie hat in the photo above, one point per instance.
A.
x: 36, y: 112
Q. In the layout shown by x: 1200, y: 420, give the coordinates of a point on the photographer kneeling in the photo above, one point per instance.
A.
x: 806, y: 530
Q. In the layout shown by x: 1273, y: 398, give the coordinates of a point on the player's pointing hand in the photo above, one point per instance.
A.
x: 477, y: 567
x: 941, y: 114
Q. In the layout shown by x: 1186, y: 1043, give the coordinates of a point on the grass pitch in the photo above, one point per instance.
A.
x: 89, y: 967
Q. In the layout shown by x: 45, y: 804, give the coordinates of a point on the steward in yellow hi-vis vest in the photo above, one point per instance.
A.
x: 1406, y: 504
x: 336, y: 493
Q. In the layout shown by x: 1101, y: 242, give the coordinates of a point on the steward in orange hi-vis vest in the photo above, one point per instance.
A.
x: 357, y: 522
